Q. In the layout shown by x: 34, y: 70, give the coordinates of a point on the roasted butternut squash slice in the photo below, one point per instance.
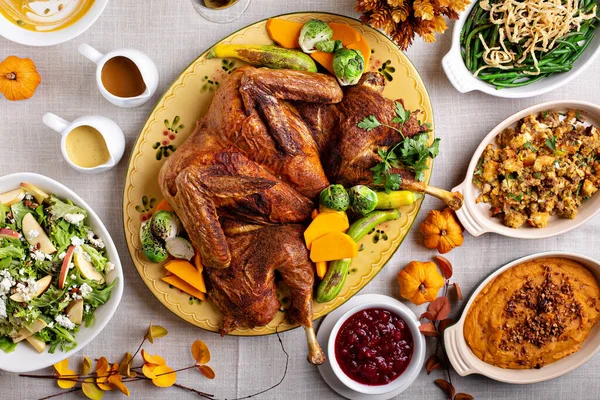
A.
x: 187, y: 272
x: 323, y: 224
x: 177, y: 282
x: 325, y: 59
x: 285, y: 33
x: 333, y: 246
x: 345, y: 33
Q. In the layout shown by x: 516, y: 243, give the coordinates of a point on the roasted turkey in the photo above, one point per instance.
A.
x: 244, y: 183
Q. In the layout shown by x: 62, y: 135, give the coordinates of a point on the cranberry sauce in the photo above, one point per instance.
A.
x: 374, y: 346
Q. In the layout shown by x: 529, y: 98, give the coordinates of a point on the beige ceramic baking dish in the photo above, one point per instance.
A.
x: 465, y: 362
x: 477, y: 219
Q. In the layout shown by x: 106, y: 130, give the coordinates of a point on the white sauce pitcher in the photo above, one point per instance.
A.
x: 110, y: 131
x: 144, y: 64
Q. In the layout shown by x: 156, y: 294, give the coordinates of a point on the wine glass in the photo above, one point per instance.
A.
x: 221, y: 11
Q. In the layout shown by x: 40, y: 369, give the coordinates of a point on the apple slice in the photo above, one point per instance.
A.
x: 87, y: 269
x: 41, y: 286
x: 6, y: 233
x: 35, y: 235
x: 36, y: 192
x: 24, y: 333
x: 12, y: 197
x: 64, y: 269
x: 75, y: 311
x: 37, y: 344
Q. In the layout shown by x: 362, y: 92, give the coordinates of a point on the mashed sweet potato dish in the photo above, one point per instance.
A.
x: 533, y: 314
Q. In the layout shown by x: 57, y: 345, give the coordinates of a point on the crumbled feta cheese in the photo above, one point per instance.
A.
x: 62, y: 256
x: 3, y: 309
x: 6, y: 282
x: 27, y: 289
x: 50, y: 324
x: 74, y: 219
x: 87, y: 308
x: 32, y: 234
x: 38, y: 255
x: 75, y: 241
x: 64, y: 321
x: 28, y: 196
x: 96, y: 242
x: 11, y: 220
x: 85, y: 289
x: 109, y: 267
x: 22, y: 271
x: 71, y: 265
x: 73, y: 276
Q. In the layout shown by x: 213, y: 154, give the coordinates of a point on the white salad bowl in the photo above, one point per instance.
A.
x: 477, y: 218
x: 464, y: 81
x: 417, y: 359
x: 465, y: 362
x: 25, y: 358
x: 19, y: 35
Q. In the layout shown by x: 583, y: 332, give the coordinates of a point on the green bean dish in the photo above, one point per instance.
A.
x: 512, y: 43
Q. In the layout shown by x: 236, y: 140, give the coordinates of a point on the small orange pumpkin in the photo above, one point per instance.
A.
x: 420, y: 282
x: 442, y: 231
x: 18, y: 78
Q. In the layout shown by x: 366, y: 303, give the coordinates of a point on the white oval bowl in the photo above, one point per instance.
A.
x: 25, y: 358
x: 464, y: 81
x: 19, y: 35
x: 416, y: 361
x: 477, y: 219
x: 465, y: 362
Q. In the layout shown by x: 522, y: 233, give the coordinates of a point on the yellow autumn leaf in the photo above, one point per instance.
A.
x: 90, y: 389
x: 152, y: 359
x: 165, y: 376
x: 67, y: 383
x: 207, y: 371
x: 116, y: 380
x: 155, y: 332
x: 148, y: 371
x: 200, y: 352
x: 125, y: 368
x: 102, y: 369
x: 61, y: 366
x: 86, y: 366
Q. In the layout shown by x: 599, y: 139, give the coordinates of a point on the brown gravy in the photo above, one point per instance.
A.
x: 122, y: 78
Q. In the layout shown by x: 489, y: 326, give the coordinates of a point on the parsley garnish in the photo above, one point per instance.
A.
x: 544, y: 114
x: 412, y: 152
x: 551, y: 143
x: 529, y: 146
x: 515, y: 197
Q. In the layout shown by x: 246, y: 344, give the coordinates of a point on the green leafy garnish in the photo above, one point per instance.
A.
x: 382, y: 174
x: 529, y: 146
x: 369, y: 123
x: 515, y: 197
x: 414, y: 153
x: 551, y: 143
x: 402, y: 114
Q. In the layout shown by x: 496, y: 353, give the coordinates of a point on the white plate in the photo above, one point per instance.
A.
x: 25, y: 358
x: 465, y: 362
x: 464, y: 81
x: 477, y: 219
x: 17, y: 34
x: 323, y: 337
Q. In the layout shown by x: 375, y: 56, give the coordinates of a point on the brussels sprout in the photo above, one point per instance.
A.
x: 152, y: 247
x: 165, y: 225
x: 179, y: 247
x: 335, y: 197
x: 348, y: 66
x: 329, y: 46
x: 362, y: 199
x: 313, y: 32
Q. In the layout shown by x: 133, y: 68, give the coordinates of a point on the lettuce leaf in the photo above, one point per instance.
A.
x: 7, y: 344
x: 58, y: 209
x: 98, y: 259
x: 19, y: 210
x: 11, y: 251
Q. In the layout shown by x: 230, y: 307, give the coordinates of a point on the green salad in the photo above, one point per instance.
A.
x: 52, y: 268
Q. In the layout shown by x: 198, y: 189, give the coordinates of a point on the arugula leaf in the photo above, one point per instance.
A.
x: 369, y: 123
x: 551, y: 143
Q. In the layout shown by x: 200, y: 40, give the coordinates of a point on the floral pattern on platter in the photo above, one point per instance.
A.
x: 164, y: 148
x: 210, y: 84
x: 385, y: 68
x: 145, y: 209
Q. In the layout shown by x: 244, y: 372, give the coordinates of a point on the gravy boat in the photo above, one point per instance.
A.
x: 110, y: 131
x: 144, y: 64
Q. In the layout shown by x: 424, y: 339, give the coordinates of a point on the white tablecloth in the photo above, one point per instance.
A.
x: 173, y: 35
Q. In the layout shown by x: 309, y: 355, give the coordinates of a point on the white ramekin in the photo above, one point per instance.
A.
x: 416, y: 362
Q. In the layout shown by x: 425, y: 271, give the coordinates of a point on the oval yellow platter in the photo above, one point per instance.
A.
x: 175, y: 117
